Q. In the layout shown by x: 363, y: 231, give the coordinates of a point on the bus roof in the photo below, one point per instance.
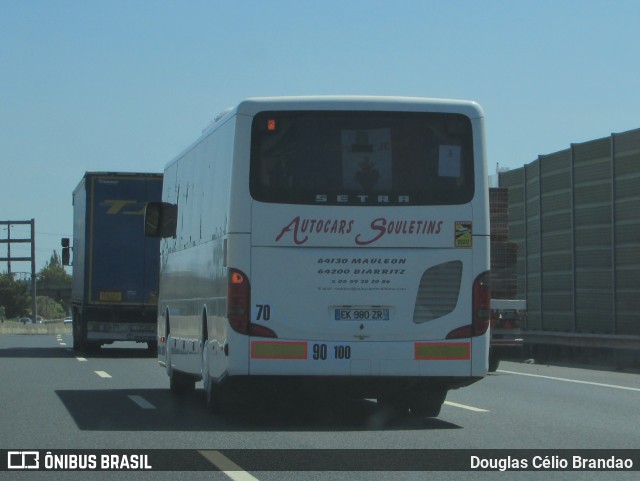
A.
x: 353, y: 102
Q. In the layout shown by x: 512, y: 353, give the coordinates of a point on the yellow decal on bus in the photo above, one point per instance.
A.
x: 463, y: 234
x: 442, y: 351
x: 278, y: 350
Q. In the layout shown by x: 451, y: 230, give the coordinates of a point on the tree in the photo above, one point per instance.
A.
x: 48, y: 308
x: 55, y: 283
x: 14, y: 296
x: 53, y: 275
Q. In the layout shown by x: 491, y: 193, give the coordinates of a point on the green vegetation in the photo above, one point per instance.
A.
x: 48, y: 308
x: 16, y: 327
x: 15, y: 295
x: 53, y: 274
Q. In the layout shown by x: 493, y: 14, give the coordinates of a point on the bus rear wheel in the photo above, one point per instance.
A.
x: 213, y: 395
x: 180, y: 383
x: 423, y: 404
x: 494, y: 361
x: 427, y: 404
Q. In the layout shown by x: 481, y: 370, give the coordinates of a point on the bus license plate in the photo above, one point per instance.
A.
x: 361, y: 314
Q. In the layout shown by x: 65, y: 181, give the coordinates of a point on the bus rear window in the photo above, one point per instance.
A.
x: 362, y: 158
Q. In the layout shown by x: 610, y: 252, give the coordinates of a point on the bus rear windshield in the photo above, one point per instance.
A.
x: 362, y: 158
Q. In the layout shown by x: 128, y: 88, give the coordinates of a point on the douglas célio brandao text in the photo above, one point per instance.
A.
x: 552, y: 463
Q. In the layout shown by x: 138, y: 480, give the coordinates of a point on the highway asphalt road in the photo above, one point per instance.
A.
x: 118, y: 398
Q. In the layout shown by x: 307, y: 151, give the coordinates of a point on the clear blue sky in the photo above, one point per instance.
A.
x: 125, y: 85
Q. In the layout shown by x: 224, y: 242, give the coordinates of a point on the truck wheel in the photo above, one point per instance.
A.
x: 78, y: 333
x: 152, y: 347
x: 77, y: 345
x: 91, y: 346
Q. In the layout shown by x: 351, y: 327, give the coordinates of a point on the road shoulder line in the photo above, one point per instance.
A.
x: 464, y: 406
x: 590, y: 383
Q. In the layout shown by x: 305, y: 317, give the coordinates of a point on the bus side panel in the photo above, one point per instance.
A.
x: 240, y: 202
x: 193, y: 276
x: 168, y: 195
x: 481, y: 198
x: 235, y: 361
x: 480, y: 344
x: 480, y: 355
x: 481, y: 240
x: 182, y: 276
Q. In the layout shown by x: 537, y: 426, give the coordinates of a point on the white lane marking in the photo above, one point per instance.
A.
x: 81, y: 359
x: 227, y: 466
x: 63, y: 343
x: 142, y: 402
x: 572, y: 380
x: 102, y: 374
x: 464, y: 406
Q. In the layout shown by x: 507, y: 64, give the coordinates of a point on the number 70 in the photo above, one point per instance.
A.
x: 264, y: 312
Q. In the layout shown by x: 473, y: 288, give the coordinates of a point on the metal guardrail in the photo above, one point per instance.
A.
x: 577, y: 339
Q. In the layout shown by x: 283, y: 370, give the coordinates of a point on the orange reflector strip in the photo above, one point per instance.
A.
x: 271, y: 125
x: 442, y: 351
x: 278, y: 350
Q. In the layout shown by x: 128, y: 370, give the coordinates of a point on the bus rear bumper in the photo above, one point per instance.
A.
x: 428, y: 359
x: 370, y: 387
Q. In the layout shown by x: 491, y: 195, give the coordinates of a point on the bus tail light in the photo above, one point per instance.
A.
x: 239, y: 306
x: 481, y: 310
x: 238, y: 301
x: 481, y: 304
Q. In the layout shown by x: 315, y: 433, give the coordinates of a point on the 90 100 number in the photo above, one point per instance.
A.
x: 320, y: 352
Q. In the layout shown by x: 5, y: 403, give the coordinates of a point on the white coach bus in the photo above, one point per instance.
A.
x: 339, y: 243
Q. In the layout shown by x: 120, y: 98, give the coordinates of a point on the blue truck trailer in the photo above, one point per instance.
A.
x: 115, y: 267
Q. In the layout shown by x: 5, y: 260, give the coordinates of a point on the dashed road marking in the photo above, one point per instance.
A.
x: 227, y: 466
x: 103, y: 374
x: 81, y: 359
x: 142, y: 402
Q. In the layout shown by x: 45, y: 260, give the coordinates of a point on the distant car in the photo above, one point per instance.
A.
x: 68, y: 320
x: 28, y: 320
